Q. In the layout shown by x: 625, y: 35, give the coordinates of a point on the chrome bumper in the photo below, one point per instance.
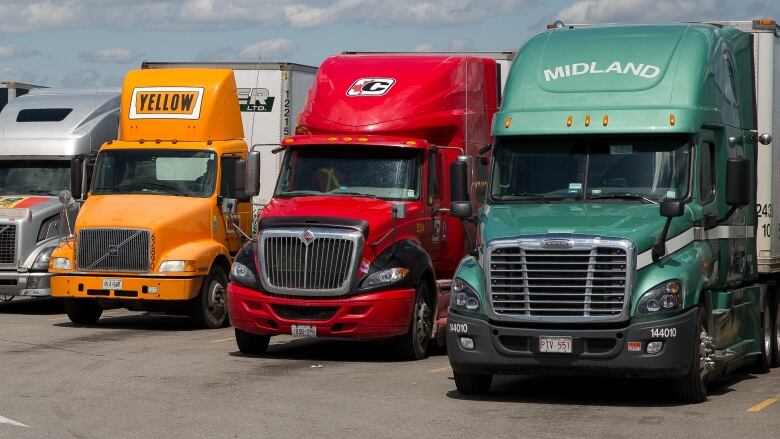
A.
x: 35, y: 284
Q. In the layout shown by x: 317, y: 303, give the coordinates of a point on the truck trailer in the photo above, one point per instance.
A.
x: 357, y: 241
x: 627, y: 229
x: 41, y: 135
x: 167, y: 209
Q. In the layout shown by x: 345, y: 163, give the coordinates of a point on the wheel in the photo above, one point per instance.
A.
x: 209, y: 308
x: 414, y: 344
x: 775, y: 306
x: 83, y: 311
x: 468, y: 384
x: 692, y: 387
x: 251, y: 344
x: 6, y: 298
x: 764, y: 361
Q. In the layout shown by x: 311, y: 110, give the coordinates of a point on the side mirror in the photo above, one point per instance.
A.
x: 672, y: 208
x: 239, y: 183
x: 460, y: 205
x: 252, y: 174
x: 66, y: 198
x: 737, y: 182
x: 76, y: 176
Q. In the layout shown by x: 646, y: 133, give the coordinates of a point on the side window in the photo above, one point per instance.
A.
x: 708, y: 173
x: 227, y: 184
x: 434, y: 173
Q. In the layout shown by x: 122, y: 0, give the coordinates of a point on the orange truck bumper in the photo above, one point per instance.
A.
x: 142, y: 288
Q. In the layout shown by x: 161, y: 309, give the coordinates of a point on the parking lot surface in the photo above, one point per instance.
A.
x: 152, y: 375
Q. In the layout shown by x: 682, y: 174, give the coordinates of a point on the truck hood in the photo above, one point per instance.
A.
x: 37, y: 204
x: 376, y: 212
x: 641, y: 223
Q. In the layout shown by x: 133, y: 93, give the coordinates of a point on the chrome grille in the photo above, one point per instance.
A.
x: 314, y: 260
x: 8, y: 244
x: 589, y: 281
x: 126, y: 250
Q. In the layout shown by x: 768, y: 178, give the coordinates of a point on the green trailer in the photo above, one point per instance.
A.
x: 627, y: 229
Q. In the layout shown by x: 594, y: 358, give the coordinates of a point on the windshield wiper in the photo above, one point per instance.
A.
x: 626, y: 196
x: 168, y: 186
x: 359, y: 194
x: 528, y: 196
x: 300, y: 193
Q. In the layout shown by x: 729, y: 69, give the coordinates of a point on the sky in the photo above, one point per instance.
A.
x: 93, y: 43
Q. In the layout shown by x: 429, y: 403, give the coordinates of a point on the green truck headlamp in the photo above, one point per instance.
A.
x: 240, y: 273
x: 385, y: 277
x: 60, y: 263
x: 663, y: 297
x: 463, y: 297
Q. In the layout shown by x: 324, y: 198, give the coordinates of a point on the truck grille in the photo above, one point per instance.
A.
x: 7, y: 244
x: 590, y: 281
x: 314, y: 260
x: 125, y: 250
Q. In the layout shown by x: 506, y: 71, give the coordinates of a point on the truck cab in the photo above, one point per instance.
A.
x: 357, y: 241
x: 166, y: 211
x: 44, y: 138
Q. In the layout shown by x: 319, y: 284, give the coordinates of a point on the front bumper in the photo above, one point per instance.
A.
x: 133, y: 288
x: 372, y: 315
x: 33, y: 284
x: 515, y: 350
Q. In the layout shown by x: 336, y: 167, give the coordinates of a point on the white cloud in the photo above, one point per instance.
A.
x: 272, y: 48
x: 118, y: 55
x: 13, y: 50
x: 82, y: 78
x: 425, y: 47
x: 642, y: 11
x: 461, y: 44
x: 217, y: 54
x: 14, y: 74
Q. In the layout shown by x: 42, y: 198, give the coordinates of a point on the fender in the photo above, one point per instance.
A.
x: 409, y: 254
x: 204, y: 252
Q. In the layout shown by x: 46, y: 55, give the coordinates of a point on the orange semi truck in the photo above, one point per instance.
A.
x: 167, y: 208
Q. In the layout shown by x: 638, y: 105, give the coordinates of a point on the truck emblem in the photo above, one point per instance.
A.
x: 557, y: 243
x: 370, y: 87
x: 113, y: 250
x: 308, y: 236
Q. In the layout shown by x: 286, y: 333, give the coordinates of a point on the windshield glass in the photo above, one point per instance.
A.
x: 34, y: 177
x: 155, y: 172
x: 643, y: 169
x: 386, y: 173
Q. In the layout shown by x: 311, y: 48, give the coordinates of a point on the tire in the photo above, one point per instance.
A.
x: 209, y: 308
x: 83, y: 311
x: 472, y: 384
x: 692, y: 388
x: 252, y: 344
x: 6, y: 298
x: 775, y: 306
x: 764, y: 361
x: 414, y: 344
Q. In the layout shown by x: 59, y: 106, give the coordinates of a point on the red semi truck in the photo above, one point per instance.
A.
x: 357, y: 241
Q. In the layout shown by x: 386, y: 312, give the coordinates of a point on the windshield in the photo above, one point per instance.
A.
x: 386, y: 173
x: 643, y: 169
x: 155, y: 172
x: 34, y: 177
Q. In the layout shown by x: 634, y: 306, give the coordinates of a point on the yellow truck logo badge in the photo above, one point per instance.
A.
x: 166, y: 103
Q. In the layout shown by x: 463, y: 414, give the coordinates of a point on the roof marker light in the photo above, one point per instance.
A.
x: 587, y: 121
x: 289, y: 140
x: 764, y: 24
x: 605, y: 120
x: 672, y: 120
x: 411, y: 142
x: 569, y: 121
x: 332, y: 139
x: 347, y: 139
x: 508, y: 122
x: 362, y: 139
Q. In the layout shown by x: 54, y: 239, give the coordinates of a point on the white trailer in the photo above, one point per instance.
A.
x: 270, y: 96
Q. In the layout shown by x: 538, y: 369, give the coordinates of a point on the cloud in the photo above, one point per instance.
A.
x: 425, y: 47
x: 14, y: 74
x: 117, y: 55
x: 13, y: 50
x: 271, y: 48
x: 82, y: 78
x: 36, y: 15
x: 461, y: 44
x: 642, y: 11
x: 217, y: 54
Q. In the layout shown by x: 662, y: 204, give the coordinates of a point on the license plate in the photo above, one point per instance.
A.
x: 112, y: 284
x: 304, y: 331
x: 560, y: 345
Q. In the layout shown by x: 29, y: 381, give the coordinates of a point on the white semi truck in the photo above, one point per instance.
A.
x: 46, y: 140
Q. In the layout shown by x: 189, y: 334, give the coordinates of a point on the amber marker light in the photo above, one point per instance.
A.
x: 411, y: 142
x: 605, y: 120
x: 569, y: 121
x: 347, y: 139
x: 672, y: 120
x: 587, y: 121
x: 508, y: 122
x: 289, y: 140
x: 332, y: 139
x: 362, y: 139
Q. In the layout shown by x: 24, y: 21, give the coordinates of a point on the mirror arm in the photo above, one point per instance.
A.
x: 470, y: 242
x: 659, y: 249
x: 711, y: 220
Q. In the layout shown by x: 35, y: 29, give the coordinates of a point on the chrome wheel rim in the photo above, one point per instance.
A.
x: 422, y: 323
x: 767, y: 320
x: 705, y: 354
x: 6, y: 298
x: 216, y: 302
x: 777, y: 327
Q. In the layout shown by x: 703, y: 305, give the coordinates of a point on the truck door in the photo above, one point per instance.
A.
x: 243, y: 216
x: 436, y: 227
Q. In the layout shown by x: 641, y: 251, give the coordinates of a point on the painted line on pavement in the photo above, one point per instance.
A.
x: 12, y: 422
x: 222, y: 340
x: 764, y: 404
x: 107, y: 313
x: 441, y: 369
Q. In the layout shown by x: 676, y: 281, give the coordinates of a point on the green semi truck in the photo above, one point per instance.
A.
x: 627, y: 229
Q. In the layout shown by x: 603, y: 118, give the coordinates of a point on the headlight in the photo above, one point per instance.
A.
x: 664, y: 297
x: 50, y: 228
x: 60, y: 263
x: 177, y: 267
x: 463, y: 297
x: 385, y: 277
x: 42, y: 261
x: 242, y: 274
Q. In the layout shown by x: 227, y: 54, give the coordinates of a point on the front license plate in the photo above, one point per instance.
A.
x: 112, y: 284
x: 558, y: 345
x: 304, y: 331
